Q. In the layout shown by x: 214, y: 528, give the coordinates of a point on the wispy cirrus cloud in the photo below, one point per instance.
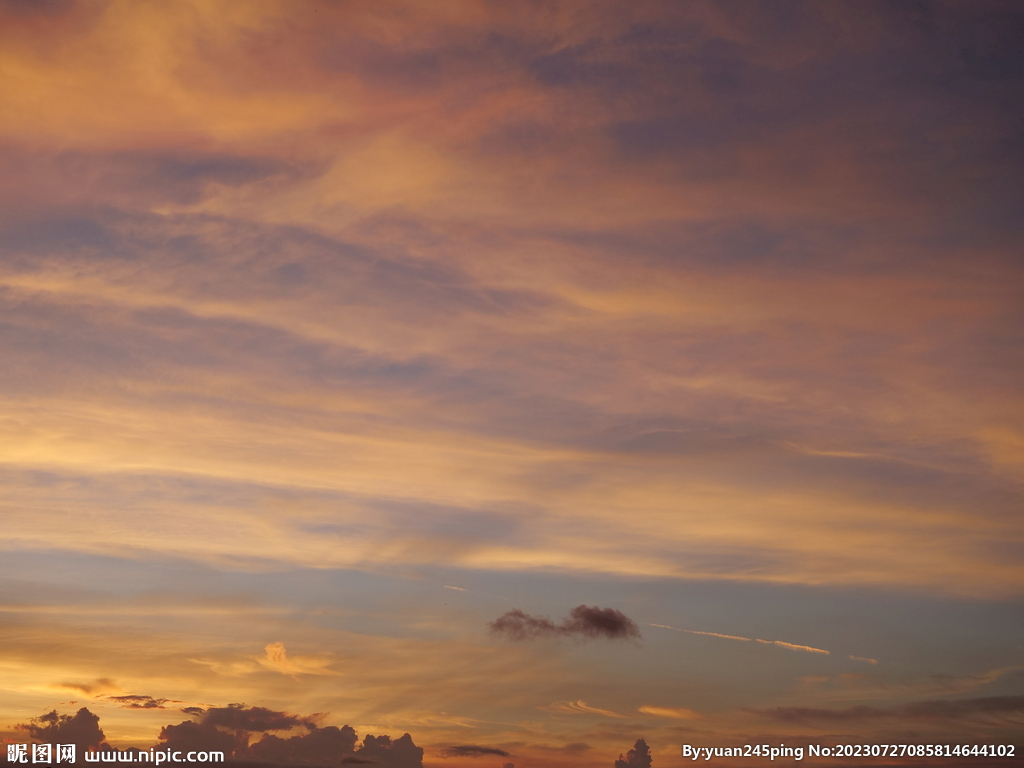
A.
x: 579, y: 707
x: 780, y: 643
x: 793, y: 646
x: 676, y: 713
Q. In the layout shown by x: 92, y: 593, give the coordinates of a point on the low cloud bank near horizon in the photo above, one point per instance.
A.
x: 473, y: 750
x: 932, y: 710
x: 583, y: 621
x: 230, y: 729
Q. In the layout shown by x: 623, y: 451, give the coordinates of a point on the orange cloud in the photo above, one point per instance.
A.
x: 278, y: 659
x: 792, y: 647
x: 562, y: 294
x: 678, y: 713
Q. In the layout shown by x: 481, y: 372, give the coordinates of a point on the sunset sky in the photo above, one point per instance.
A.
x: 330, y: 332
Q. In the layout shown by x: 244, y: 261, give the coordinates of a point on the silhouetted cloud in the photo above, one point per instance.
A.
x: 139, y: 702
x: 397, y: 753
x: 228, y: 729
x: 81, y: 729
x: 583, y: 621
x: 320, y: 746
x: 517, y: 625
x: 473, y: 750
x: 600, y: 622
x: 238, y: 717
x: 638, y: 757
x: 189, y: 736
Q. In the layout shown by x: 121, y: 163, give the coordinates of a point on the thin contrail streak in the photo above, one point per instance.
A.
x: 780, y: 643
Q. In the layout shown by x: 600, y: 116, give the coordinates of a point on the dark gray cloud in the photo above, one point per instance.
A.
x: 321, y: 746
x: 139, y: 702
x: 396, y: 753
x: 473, y: 750
x: 517, y: 625
x: 81, y: 729
x: 188, y: 735
x: 583, y: 621
x: 638, y: 757
x: 238, y: 717
x: 228, y: 729
x: 591, y: 621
